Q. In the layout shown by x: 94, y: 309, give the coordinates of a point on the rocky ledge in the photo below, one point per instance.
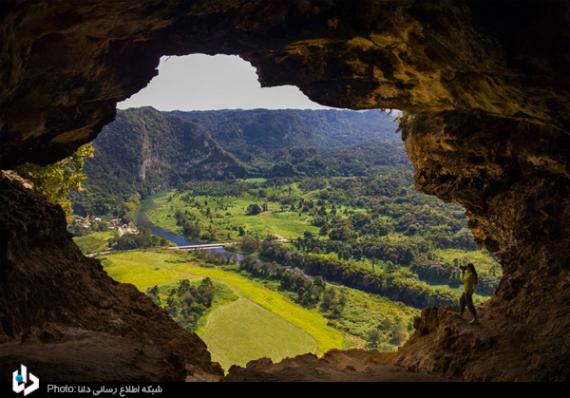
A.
x: 489, y: 90
x: 62, y: 314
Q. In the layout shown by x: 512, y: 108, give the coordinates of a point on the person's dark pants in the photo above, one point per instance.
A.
x: 467, y: 300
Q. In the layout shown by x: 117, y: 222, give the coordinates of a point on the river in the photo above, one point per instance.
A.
x: 179, y: 240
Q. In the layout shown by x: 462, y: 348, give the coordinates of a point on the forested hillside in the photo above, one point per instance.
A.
x: 283, y: 143
x: 145, y: 151
x: 329, y: 243
x: 263, y: 135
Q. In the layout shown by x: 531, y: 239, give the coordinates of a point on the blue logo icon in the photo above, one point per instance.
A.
x: 20, y: 381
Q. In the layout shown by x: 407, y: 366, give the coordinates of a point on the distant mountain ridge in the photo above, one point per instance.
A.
x: 145, y: 150
x: 288, y: 128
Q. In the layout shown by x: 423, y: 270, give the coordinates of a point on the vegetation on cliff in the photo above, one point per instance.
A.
x: 331, y: 221
x: 145, y: 151
x: 57, y: 181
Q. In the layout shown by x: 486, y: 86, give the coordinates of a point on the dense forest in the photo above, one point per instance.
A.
x: 374, y: 233
x: 320, y: 210
x: 145, y: 151
x: 302, y: 140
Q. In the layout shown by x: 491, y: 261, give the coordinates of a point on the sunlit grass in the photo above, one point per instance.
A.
x: 242, y: 330
x: 94, y: 242
x: 229, y: 213
x: 145, y: 269
x: 481, y: 258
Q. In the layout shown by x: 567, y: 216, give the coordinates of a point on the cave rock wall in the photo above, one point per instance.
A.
x: 489, y: 86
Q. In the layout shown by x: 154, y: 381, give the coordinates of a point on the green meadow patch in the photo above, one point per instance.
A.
x: 279, y: 327
x: 94, y: 242
x: 228, y: 215
x: 242, y: 330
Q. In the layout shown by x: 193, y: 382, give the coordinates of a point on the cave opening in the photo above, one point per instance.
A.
x: 212, y: 82
x: 489, y: 132
x: 301, y: 163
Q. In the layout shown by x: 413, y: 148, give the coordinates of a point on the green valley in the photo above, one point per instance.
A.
x: 382, y: 226
x: 257, y: 318
x: 260, y: 321
x: 329, y: 244
x: 94, y: 242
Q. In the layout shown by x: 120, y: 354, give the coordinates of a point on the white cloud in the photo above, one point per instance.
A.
x: 202, y: 82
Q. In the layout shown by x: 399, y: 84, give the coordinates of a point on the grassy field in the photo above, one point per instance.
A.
x: 288, y: 328
x: 365, y: 312
x: 94, y: 242
x: 228, y: 214
x: 285, y: 224
x: 243, y: 330
x: 482, y: 259
x: 161, y: 211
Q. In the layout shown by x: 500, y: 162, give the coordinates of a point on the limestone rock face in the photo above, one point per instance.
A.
x: 64, y: 316
x: 335, y: 365
x: 64, y: 64
x: 489, y: 84
x: 516, y: 193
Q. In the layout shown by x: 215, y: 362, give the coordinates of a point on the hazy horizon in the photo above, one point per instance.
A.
x: 260, y: 108
x: 203, y: 82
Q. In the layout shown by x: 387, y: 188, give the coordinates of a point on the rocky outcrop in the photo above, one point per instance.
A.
x: 65, y: 64
x: 513, y: 179
x: 488, y: 82
x: 147, y: 151
x: 335, y: 365
x: 62, y: 314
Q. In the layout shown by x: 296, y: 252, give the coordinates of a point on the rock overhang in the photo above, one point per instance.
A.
x: 487, y: 86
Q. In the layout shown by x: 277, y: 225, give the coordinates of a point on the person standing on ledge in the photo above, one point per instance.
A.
x: 470, y: 279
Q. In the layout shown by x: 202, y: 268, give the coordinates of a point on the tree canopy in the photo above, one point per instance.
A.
x: 57, y: 180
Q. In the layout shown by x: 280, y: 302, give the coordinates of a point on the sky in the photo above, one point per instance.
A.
x: 203, y: 82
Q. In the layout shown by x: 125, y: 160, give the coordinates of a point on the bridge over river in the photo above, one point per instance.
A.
x: 205, y: 246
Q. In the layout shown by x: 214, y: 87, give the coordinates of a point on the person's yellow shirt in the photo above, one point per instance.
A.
x: 469, y: 280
